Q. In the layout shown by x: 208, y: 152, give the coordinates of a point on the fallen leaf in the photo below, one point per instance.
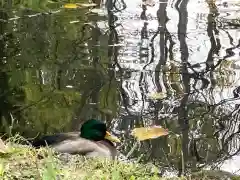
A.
x: 116, y: 45
x: 72, y: 22
x: 153, y: 132
x: 98, y: 11
x: 70, y: 6
x: 87, y: 5
x: 160, y: 95
x: 150, y: 3
x: 3, y: 148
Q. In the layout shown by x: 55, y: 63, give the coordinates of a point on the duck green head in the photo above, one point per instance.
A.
x: 96, y: 130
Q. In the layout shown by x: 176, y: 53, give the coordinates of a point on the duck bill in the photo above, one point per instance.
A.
x: 111, y: 137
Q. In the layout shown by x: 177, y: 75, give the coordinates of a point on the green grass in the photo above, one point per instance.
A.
x: 23, y: 162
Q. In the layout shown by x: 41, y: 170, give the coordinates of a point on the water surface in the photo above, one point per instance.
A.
x: 62, y: 66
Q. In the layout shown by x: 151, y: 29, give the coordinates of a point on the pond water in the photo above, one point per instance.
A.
x: 174, y: 64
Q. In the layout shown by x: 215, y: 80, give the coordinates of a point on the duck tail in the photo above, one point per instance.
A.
x: 39, y: 143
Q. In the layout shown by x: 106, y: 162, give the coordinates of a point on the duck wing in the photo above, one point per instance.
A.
x: 85, y: 147
x: 74, y: 146
x: 54, y: 139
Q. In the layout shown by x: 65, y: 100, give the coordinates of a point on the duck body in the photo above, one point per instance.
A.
x: 94, y: 145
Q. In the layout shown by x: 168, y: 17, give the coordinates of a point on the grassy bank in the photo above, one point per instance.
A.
x: 24, y: 162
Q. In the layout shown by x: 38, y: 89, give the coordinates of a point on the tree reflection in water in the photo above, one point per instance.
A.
x: 60, y: 67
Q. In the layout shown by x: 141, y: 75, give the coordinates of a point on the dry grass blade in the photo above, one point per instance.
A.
x: 153, y: 132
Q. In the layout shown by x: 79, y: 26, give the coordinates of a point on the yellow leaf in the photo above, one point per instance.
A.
x: 87, y: 5
x: 159, y: 95
x: 3, y: 148
x: 150, y: 3
x: 70, y: 6
x: 153, y: 132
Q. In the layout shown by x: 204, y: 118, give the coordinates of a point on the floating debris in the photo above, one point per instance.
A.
x: 144, y: 133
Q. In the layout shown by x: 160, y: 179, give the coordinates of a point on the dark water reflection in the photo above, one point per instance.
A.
x: 61, y: 66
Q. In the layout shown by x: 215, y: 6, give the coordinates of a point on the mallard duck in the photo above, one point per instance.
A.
x: 93, y: 140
